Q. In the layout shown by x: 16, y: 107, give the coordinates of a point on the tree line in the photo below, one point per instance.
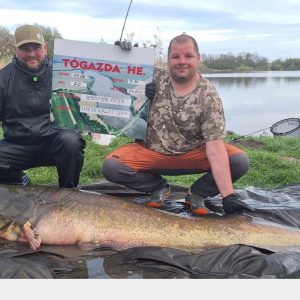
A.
x: 242, y: 62
x: 245, y: 61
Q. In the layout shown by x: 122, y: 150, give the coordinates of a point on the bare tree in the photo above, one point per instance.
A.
x: 6, y: 41
x: 156, y: 42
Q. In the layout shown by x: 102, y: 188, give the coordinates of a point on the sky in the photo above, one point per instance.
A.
x: 269, y: 28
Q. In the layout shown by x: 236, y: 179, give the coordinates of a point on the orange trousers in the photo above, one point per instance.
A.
x: 139, y: 168
x: 139, y: 158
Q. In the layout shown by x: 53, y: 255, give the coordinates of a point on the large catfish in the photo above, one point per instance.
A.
x: 71, y: 216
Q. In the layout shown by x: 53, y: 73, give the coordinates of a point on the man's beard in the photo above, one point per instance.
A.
x: 29, y: 67
x: 180, y: 79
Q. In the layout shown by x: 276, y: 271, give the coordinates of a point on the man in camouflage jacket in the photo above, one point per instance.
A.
x: 185, y: 132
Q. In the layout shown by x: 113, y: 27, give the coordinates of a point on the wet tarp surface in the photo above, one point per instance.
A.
x: 279, y: 205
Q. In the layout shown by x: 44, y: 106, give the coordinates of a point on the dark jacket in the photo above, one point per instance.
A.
x: 25, y: 102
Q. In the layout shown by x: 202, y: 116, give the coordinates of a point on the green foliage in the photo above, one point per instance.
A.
x: 241, y: 62
x: 245, y: 62
x: 290, y: 64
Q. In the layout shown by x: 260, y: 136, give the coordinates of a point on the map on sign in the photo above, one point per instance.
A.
x: 99, y: 88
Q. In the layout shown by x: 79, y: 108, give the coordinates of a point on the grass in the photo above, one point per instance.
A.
x: 274, y: 162
x: 91, y: 171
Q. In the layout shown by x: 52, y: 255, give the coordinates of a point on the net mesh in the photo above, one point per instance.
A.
x: 286, y: 127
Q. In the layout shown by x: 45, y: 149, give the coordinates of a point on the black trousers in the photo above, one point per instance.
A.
x: 63, y: 149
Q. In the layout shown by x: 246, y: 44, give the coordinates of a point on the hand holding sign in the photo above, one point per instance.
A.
x: 125, y: 45
x: 150, y: 89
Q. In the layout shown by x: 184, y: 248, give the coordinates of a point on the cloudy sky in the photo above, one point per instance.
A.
x: 270, y: 28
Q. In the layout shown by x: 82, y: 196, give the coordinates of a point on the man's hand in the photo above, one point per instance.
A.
x: 125, y: 45
x: 233, y: 204
x: 150, y: 90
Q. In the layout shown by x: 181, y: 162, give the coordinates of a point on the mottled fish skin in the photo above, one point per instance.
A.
x: 70, y: 216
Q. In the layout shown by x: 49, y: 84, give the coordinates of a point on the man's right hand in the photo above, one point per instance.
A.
x: 150, y: 90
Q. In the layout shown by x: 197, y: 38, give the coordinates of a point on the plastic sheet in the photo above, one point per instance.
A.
x: 279, y: 205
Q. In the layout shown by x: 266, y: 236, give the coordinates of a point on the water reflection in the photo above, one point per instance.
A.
x: 245, y: 82
x: 287, y: 79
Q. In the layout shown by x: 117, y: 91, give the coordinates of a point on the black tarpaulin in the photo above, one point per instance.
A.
x: 22, y: 269
x: 237, y: 261
x: 278, y: 205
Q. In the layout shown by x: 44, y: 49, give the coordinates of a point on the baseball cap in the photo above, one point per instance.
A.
x: 28, y: 34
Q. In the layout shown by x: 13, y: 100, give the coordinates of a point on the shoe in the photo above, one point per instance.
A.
x: 18, y: 178
x: 196, y: 203
x: 25, y: 180
x: 158, y: 196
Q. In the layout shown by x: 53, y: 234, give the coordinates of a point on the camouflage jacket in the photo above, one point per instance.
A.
x: 180, y: 124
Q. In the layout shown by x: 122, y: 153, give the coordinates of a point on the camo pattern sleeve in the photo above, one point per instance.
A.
x: 180, y: 124
x: 213, y: 121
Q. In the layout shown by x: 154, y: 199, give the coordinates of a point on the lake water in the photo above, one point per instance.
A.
x: 257, y: 100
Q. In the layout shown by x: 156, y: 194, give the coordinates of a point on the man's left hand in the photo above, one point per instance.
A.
x: 233, y: 204
x: 125, y: 45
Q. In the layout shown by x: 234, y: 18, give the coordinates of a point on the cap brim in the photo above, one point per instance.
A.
x: 29, y: 41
